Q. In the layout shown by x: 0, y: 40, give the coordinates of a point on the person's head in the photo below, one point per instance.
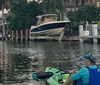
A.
x: 89, y: 60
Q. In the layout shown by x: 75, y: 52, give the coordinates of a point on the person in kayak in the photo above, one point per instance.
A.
x: 88, y: 75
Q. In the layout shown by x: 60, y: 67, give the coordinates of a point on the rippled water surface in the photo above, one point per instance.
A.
x: 17, y: 58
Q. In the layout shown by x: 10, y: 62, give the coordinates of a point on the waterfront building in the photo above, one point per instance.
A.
x: 72, y: 5
x: 98, y: 4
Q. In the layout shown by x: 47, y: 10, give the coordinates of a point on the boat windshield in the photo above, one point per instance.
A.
x: 46, y: 18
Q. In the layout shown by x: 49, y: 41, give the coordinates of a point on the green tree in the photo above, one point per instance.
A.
x: 4, y: 4
x: 99, y: 14
x: 49, y: 6
x: 23, y: 14
x: 71, y: 16
x: 87, y: 13
x: 0, y: 4
x: 54, y: 6
x: 61, y: 8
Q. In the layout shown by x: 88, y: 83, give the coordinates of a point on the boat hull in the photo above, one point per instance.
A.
x: 56, y: 31
x: 51, y: 28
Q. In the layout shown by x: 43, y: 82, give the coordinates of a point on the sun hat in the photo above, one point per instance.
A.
x: 91, y: 58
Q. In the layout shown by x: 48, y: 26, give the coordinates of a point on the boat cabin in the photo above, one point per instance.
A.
x: 46, y: 18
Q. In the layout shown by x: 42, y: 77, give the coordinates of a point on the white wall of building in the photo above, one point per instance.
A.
x: 5, y: 11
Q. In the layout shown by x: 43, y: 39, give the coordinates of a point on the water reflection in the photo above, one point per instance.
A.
x: 68, y: 54
x: 20, y: 57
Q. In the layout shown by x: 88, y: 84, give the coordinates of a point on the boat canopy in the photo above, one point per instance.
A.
x: 46, y: 18
x: 46, y: 15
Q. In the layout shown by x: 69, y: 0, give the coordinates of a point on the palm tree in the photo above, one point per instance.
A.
x: 75, y: 4
x: 54, y: 6
x: 49, y: 6
x: 62, y: 9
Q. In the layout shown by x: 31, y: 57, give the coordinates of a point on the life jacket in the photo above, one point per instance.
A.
x: 94, y: 77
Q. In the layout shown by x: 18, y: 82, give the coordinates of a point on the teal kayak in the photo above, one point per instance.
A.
x: 58, y: 76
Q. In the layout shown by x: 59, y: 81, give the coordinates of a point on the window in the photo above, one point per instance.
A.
x: 98, y: 4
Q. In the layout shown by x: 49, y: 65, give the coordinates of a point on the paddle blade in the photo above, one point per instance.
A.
x: 42, y: 75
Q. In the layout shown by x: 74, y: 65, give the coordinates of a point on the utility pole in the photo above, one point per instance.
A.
x: 54, y: 6
x: 75, y: 5
x: 3, y: 26
x: 63, y: 10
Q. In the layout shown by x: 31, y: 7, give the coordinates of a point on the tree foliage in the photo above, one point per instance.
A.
x: 54, y: 6
x: 85, y: 13
x: 0, y: 4
x: 6, y: 4
x: 49, y: 6
x: 71, y: 16
x: 88, y: 13
x: 23, y: 14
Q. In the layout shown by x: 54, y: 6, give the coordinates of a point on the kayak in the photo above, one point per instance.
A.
x: 58, y: 76
x: 53, y: 76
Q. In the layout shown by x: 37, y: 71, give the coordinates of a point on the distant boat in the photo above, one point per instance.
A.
x: 47, y: 25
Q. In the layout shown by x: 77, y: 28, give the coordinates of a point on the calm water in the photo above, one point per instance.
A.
x: 17, y: 58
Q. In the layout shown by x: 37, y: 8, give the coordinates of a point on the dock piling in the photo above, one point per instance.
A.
x: 16, y: 34
x: 21, y: 32
x: 12, y: 35
x: 80, y: 33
